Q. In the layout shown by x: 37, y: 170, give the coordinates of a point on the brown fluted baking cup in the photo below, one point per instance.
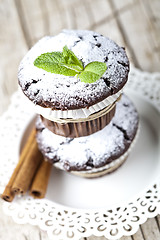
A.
x: 81, y: 128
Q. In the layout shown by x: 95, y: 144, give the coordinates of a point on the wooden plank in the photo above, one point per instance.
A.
x: 155, y: 8
x: 151, y: 10
x: 103, y: 238
x: 69, y: 3
x: 50, y: 17
x: 55, y: 15
x: 150, y: 230
x: 138, y: 235
x: 32, y: 19
x: 100, y: 10
x: 82, y: 18
x: 94, y: 238
x: 138, y: 35
x: 157, y: 218
x: 46, y: 18
x: 12, y: 49
x: 126, y: 238
x: 120, y: 5
x: 68, y: 13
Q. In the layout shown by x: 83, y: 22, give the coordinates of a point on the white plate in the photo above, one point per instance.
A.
x: 113, y: 205
x: 134, y: 176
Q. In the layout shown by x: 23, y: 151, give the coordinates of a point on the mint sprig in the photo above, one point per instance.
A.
x: 66, y: 63
x: 92, y: 72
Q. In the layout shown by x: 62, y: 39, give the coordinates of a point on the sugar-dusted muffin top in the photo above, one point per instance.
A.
x: 68, y: 92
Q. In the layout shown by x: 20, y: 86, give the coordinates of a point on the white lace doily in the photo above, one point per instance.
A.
x: 62, y: 222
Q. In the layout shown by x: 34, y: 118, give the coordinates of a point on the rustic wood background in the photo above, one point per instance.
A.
x: 134, y: 24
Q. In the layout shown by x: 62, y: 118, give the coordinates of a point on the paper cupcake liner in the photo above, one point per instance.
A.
x: 55, y: 115
x: 79, y: 129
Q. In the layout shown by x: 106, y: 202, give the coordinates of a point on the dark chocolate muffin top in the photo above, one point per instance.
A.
x: 65, y: 92
x: 80, y: 153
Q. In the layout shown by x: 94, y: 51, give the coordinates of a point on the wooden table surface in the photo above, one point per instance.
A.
x: 134, y: 24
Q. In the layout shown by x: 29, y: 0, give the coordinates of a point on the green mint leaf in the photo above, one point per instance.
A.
x: 96, y: 67
x: 92, y: 72
x: 71, y: 59
x: 66, y: 63
x: 55, y: 62
x: 88, y: 77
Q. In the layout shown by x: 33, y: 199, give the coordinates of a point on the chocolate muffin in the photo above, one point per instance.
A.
x: 65, y: 102
x: 98, y: 153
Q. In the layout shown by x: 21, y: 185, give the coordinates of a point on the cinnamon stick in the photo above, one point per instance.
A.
x: 40, y: 181
x: 8, y: 194
x: 27, y: 171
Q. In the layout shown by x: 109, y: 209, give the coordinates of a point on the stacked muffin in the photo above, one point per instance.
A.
x: 85, y: 126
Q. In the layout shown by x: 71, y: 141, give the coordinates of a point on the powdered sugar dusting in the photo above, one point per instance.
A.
x: 63, y: 92
x: 95, y: 150
x: 126, y: 117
